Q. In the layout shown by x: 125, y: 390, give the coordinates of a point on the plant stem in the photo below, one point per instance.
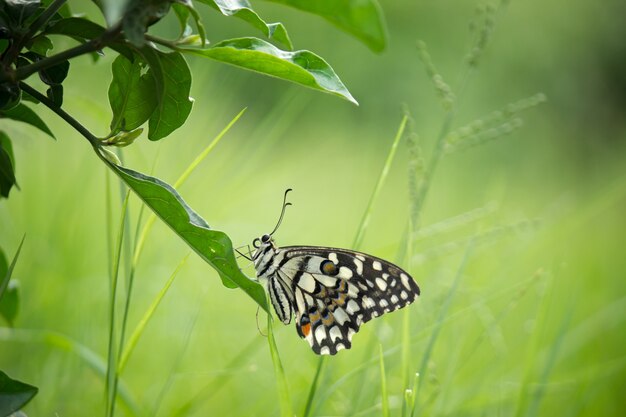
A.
x: 437, y: 152
x: 358, y: 240
x: 43, y: 18
x: 161, y: 41
x: 22, y: 39
x: 84, y: 48
x: 91, y: 46
x: 314, y: 385
x: 62, y: 114
x: 111, y: 380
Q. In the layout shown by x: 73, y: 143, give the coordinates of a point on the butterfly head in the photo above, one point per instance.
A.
x: 262, y: 242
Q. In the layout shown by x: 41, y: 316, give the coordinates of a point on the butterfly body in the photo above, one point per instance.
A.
x: 331, y: 292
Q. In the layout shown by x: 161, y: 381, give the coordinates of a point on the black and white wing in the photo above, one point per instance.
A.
x: 335, y: 291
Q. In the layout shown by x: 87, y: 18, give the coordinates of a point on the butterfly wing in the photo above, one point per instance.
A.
x: 336, y: 291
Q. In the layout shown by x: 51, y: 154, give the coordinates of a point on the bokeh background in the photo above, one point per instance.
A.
x: 536, y: 324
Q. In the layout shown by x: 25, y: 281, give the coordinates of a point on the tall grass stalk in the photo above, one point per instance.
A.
x: 383, y: 384
x: 213, y: 387
x: 504, y: 313
x: 415, y: 172
x: 313, y: 388
x: 439, y: 324
x: 528, y: 401
x: 358, y: 239
x: 281, y: 380
x: 176, y: 363
x: 109, y: 232
x: 111, y: 385
x: 180, y: 181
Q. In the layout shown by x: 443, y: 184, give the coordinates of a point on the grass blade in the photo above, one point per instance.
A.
x: 383, y: 384
x: 134, y: 338
x: 439, y: 324
x: 358, y: 240
x: 314, y: 385
x: 281, y: 380
x: 111, y: 385
x: 180, y: 181
x: 213, y: 387
x: 7, y: 276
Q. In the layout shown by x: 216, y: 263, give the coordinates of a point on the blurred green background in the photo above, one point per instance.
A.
x: 536, y: 326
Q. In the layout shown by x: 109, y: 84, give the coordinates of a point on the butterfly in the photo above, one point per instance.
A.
x: 331, y: 292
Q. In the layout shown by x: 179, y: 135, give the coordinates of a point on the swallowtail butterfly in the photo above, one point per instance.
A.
x: 331, y: 292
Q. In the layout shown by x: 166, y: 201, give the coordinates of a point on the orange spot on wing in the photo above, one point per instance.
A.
x: 306, y: 329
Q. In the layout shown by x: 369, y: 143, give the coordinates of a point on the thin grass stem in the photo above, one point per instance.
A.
x: 194, y: 164
x: 111, y: 387
x: 281, y: 380
x: 212, y: 388
x: 439, y: 324
x: 358, y: 240
x: 141, y: 326
x: 314, y: 386
x: 383, y: 384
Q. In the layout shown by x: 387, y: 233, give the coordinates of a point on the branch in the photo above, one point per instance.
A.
x: 85, y: 48
x: 43, y: 18
x: 17, y: 46
x: 93, y: 140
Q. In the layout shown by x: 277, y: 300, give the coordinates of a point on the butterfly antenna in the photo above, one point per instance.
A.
x: 282, y: 213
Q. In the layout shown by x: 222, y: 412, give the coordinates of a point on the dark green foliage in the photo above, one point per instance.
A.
x: 14, y: 394
x: 131, y: 94
x: 172, y: 82
x: 7, y: 166
x: 10, y: 303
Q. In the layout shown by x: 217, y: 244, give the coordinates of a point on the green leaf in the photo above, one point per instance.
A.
x: 83, y: 30
x: 9, y: 304
x: 10, y: 96
x: 55, y: 74
x: 242, y: 9
x: 131, y: 94
x: 41, y: 45
x: 4, y: 264
x: 20, y: 10
x: 361, y: 18
x: 188, y: 6
x: 14, y: 394
x: 23, y: 113
x: 139, y: 15
x: 6, y: 276
x: 7, y: 166
x: 76, y: 27
x: 5, y: 142
x: 172, y: 83
x: 301, y: 67
x: 214, y: 246
x: 182, y: 14
x: 55, y: 93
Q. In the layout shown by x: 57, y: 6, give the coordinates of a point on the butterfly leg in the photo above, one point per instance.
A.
x: 248, y: 257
